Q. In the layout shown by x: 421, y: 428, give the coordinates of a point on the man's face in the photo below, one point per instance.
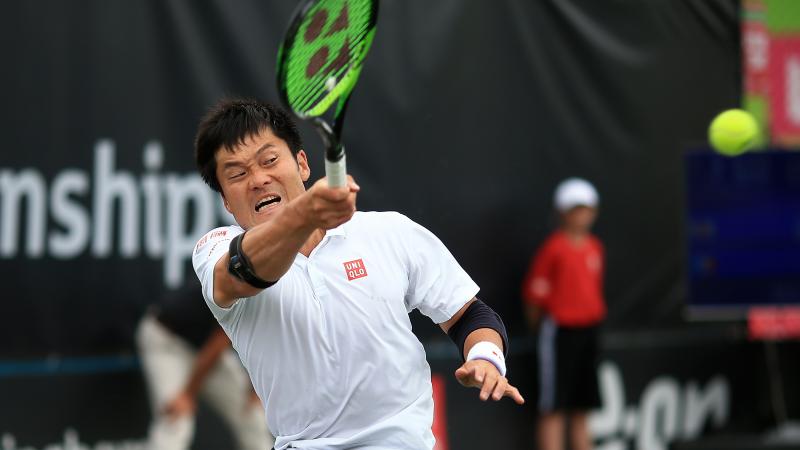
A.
x: 259, y: 177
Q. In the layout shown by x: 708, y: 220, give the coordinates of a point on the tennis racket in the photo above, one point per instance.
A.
x: 319, y: 64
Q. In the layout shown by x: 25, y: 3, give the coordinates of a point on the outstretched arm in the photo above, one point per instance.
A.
x: 483, y: 352
x: 272, y: 246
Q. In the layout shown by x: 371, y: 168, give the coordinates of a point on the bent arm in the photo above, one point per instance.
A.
x: 207, y: 358
x: 485, y: 369
x: 478, y: 335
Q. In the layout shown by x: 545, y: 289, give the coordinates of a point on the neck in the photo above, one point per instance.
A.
x: 311, y: 243
x: 576, y: 234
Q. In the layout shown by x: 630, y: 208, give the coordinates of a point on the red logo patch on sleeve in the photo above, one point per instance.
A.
x: 355, y: 269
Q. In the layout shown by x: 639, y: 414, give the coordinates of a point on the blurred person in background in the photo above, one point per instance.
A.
x: 563, y: 295
x: 186, y: 355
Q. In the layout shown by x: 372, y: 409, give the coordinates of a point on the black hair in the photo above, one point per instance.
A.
x: 229, y: 123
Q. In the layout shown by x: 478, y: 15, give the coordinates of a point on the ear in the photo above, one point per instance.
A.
x: 302, y: 165
x: 225, y: 203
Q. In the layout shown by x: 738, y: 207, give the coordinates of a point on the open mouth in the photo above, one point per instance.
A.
x: 266, y: 201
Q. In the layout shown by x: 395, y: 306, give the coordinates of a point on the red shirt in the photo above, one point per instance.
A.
x: 566, y: 280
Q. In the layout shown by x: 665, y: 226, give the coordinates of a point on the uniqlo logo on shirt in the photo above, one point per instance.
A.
x: 355, y: 269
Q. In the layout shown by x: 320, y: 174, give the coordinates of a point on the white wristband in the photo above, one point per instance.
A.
x: 488, y: 351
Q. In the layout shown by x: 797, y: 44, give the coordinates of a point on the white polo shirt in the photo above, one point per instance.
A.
x: 329, y: 347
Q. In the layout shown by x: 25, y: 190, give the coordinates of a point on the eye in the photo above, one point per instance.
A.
x: 268, y: 161
x: 236, y: 175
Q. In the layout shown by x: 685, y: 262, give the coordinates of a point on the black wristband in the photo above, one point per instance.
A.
x: 240, y: 267
x: 478, y: 315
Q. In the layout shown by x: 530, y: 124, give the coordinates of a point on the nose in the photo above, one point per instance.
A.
x: 260, y: 178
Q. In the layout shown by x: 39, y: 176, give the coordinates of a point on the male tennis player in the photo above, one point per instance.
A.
x: 315, y: 296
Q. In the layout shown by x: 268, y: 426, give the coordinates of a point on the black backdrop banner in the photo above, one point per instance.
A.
x: 490, y: 104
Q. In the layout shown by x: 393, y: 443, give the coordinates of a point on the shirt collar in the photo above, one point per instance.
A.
x: 338, y: 231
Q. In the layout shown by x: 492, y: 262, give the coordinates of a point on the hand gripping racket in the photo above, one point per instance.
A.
x: 319, y: 63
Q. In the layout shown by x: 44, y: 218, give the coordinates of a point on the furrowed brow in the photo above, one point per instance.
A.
x: 232, y: 164
x: 264, y: 147
x: 238, y: 163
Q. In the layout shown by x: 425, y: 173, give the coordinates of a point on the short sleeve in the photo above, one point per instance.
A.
x: 601, y: 251
x: 209, y: 249
x: 538, y: 283
x: 438, y: 286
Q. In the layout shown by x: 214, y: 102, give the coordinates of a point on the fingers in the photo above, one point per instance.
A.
x: 470, y: 375
x: 488, y: 386
x: 352, y: 185
x: 497, y: 387
x: 331, y: 207
x: 514, y: 394
x: 337, y: 193
x: 486, y: 377
x: 461, y: 375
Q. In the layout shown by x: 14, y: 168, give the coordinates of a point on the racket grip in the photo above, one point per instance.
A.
x: 336, y: 171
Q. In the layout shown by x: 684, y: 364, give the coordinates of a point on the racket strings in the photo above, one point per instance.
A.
x: 312, y: 90
x: 306, y: 90
x: 309, y: 66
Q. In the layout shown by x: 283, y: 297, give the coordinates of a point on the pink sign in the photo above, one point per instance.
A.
x: 784, y: 71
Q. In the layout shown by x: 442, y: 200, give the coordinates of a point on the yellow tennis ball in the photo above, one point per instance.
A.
x: 733, y: 132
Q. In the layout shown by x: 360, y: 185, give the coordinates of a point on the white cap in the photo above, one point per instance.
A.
x: 574, y: 192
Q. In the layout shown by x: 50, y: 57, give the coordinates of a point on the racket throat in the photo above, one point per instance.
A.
x: 334, y: 149
x: 335, y: 166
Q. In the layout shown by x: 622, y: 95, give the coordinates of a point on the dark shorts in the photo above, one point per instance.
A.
x: 568, y: 360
